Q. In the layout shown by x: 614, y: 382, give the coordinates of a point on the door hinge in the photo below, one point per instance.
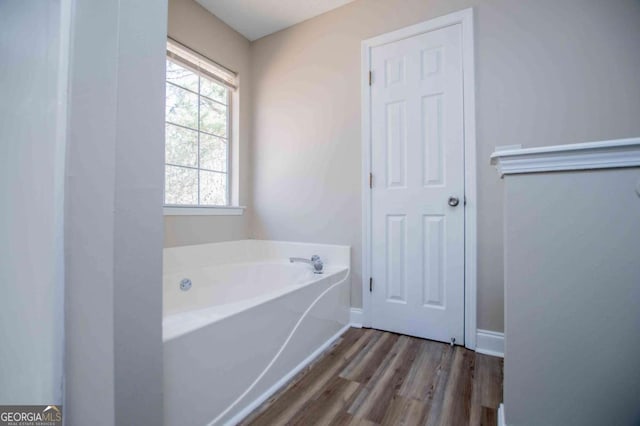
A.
x: 370, y: 285
x: 370, y: 77
x: 370, y: 180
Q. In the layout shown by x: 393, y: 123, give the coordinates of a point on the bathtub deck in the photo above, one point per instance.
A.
x: 371, y: 377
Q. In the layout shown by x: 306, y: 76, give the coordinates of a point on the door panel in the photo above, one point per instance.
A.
x: 418, y: 163
x: 396, y: 240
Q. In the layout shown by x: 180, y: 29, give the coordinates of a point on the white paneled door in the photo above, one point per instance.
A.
x: 417, y: 199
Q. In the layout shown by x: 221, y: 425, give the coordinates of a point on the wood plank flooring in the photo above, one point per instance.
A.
x: 371, y: 377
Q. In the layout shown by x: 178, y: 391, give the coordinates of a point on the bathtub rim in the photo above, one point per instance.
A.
x: 245, y: 245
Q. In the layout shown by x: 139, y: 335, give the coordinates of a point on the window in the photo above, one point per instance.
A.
x: 198, y: 95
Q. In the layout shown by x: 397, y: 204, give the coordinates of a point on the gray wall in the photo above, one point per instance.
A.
x: 195, y: 27
x: 31, y: 207
x: 113, y: 233
x: 572, y: 269
x: 547, y: 72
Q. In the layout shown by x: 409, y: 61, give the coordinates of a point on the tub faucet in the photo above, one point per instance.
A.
x: 315, y: 262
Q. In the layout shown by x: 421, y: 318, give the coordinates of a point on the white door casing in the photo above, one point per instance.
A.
x: 465, y: 19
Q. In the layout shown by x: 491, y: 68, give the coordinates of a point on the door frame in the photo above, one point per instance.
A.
x: 465, y: 18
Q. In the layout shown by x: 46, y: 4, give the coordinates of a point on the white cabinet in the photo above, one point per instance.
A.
x: 572, y: 284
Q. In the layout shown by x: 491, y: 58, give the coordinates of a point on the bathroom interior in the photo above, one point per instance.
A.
x: 349, y: 212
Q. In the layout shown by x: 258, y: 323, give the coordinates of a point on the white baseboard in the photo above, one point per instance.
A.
x: 285, y: 379
x: 490, y: 343
x: 356, y: 317
x: 501, y: 415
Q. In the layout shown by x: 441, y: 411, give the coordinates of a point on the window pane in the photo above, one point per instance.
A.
x: 213, y: 188
x: 213, y: 90
x: 213, y: 117
x: 181, y: 146
x: 181, y: 185
x: 213, y: 153
x: 182, y: 107
x: 182, y: 76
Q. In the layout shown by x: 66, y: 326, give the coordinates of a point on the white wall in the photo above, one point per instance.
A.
x: 572, y: 269
x: 113, y: 233
x: 547, y: 72
x: 32, y: 78
x: 194, y: 26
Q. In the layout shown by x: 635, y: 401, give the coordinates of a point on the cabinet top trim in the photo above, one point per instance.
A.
x: 580, y: 156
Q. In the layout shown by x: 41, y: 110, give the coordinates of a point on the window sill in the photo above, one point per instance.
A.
x: 204, y: 211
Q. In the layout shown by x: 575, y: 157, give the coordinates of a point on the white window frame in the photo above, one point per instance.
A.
x: 206, y: 68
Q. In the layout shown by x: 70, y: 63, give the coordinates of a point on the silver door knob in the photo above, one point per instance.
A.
x: 453, y: 201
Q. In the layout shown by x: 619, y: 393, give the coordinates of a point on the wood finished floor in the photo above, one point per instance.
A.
x: 371, y: 377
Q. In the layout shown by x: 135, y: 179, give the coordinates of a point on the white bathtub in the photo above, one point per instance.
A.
x: 250, y: 321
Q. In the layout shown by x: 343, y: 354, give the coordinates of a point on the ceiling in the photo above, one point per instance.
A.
x: 258, y: 18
